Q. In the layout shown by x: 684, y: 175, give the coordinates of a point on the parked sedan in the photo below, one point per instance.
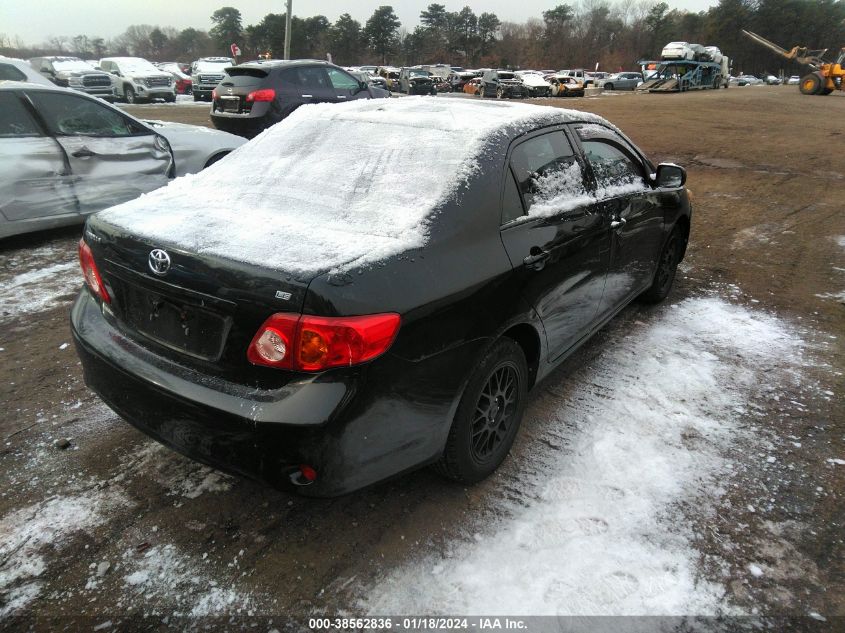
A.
x: 65, y: 155
x: 620, y: 81
x: 323, y: 330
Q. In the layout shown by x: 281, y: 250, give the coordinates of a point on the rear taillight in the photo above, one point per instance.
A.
x: 310, y: 343
x: 90, y: 272
x: 265, y: 94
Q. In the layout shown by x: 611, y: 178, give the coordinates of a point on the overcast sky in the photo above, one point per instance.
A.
x: 34, y: 21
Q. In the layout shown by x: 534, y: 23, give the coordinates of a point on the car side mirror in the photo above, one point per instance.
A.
x: 362, y: 85
x: 116, y: 73
x: 670, y: 176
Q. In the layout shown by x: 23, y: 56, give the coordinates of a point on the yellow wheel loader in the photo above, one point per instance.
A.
x: 826, y: 76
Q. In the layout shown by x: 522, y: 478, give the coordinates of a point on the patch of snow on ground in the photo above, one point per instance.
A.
x: 647, y: 431
x: 27, y: 532
x: 164, y: 575
x: 38, y: 289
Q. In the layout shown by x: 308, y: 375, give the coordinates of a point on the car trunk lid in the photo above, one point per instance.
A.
x: 196, y: 308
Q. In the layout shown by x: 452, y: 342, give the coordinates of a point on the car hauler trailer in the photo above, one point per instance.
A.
x: 682, y: 75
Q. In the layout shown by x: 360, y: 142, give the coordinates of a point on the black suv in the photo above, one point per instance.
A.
x: 256, y: 95
x: 501, y: 84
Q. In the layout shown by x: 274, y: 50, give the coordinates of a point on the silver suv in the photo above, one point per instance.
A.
x: 135, y: 79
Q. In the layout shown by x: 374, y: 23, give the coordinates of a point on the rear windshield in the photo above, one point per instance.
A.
x: 258, y: 73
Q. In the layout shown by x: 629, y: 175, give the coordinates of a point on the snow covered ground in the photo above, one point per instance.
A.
x: 649, y: 428
x: 36, y: 287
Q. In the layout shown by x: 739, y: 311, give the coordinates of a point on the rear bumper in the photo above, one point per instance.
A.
x: 241, y: 124
x: 354, y: 427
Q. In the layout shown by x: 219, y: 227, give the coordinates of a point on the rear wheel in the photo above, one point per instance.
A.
x: 129, y: 95
x: 811, y: 84
x: 608, y: 86
x: 500, y: 94
x: 667, y: 266
x: 488, y: 416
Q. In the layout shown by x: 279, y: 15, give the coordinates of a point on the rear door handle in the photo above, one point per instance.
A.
x: 83, y: 152
x: 537, y: 259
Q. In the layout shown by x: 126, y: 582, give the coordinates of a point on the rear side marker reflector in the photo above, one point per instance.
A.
x: 311, y: 343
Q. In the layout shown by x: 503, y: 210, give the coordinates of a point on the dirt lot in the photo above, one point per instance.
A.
x: 113, y: 528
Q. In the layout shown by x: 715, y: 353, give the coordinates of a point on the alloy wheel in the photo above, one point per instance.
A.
x: 494, y: 411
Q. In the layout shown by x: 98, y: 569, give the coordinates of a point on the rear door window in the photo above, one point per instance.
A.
x: 309, y: 79
x: 70, y: 115
x: 548, y: 175
x: 15, y: 121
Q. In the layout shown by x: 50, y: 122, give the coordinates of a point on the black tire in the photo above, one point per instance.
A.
x: 826, y: 91
x: 197, y: 96
x: 811, y: 84
x: 500, y: 94
x: 170, y: 98
x: 488, y: 416
x: 608, y: 86
x: 129, y: 95
x: 667, y: 266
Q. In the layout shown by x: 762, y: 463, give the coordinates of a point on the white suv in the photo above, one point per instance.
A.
x: 135, y: 79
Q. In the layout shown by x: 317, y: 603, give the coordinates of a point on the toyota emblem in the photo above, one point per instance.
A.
x: 159, y: 261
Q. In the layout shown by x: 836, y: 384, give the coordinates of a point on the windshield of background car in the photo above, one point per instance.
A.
x: 71, y: 115
x: 71, y: 65
x: 506, y: 75
x: 137, y: 66
x: 419, y: 73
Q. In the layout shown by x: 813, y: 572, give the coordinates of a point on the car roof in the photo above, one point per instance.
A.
x: 283, y: 63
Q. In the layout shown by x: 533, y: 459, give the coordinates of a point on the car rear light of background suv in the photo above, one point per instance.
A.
x: 311, y: 343
x: 265, y: 94
x: 90, y: 272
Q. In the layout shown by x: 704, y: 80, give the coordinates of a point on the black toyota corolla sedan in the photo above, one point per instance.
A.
x: 374, y: 287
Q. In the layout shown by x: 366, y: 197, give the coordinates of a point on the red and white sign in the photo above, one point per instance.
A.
x: 235, y: 50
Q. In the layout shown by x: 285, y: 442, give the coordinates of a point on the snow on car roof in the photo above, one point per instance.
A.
x: 332, y: 187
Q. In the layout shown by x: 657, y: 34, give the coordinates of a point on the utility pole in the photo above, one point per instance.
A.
x: 287, y: 29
